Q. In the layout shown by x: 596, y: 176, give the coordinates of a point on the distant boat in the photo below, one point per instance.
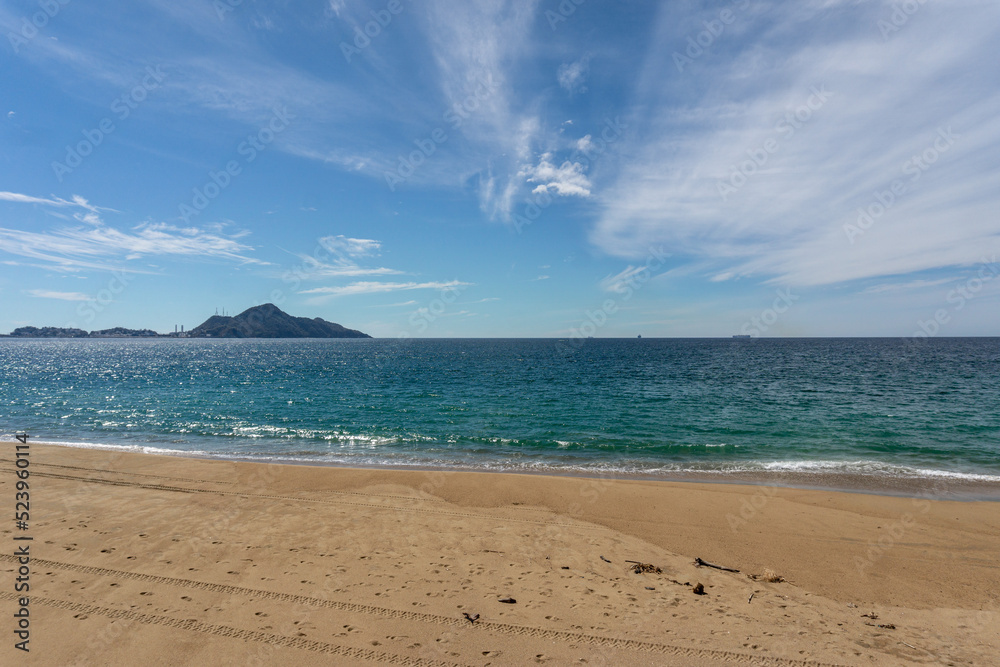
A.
x: 742, y: 336
x: 639, y: 336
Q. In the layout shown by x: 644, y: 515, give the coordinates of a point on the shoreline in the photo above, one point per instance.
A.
x: 208, y: 559
x: 943, y: 485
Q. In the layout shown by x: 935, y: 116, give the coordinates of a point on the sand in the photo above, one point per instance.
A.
x: 155, y: 560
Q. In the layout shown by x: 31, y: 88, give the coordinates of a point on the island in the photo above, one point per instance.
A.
x: 265, y: 321
x: 269, y: 321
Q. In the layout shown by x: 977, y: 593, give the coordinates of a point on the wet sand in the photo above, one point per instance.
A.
x: 139, y: 559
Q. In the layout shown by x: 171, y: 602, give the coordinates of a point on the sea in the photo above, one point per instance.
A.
x: 872, y: 414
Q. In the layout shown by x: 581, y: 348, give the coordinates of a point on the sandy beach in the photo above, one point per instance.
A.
x: 155, y: 560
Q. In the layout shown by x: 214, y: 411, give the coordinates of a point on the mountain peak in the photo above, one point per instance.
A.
x: 269, y: 321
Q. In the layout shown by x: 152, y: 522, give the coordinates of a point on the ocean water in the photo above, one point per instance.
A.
x: 876, y: 410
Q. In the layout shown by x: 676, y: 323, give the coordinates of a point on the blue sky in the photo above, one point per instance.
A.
x: 504, y: 168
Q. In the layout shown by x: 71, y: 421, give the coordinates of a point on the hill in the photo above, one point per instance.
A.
x: 269, y: 321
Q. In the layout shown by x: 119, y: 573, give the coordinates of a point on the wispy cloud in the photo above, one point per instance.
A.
x: 61, y: 296
x: 909, y: 285
x: 341, y: 257
x: 806, y: 118
x: 96, y: 245
x: 621, y: 282
x: 370, y: 287
x: 74, y: 201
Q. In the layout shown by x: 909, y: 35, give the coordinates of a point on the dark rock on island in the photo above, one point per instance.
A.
x: 48, y: 332
x: 269, y: 321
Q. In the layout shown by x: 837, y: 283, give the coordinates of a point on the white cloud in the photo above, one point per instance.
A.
x: 102, y: 247
x: 620, y: 282
x: 784, y: 221
x: 76, y: 201
x: 567, y: 179
x: 343, y: 263
x: 912, y: 284
x: 343, y: 245
x: 62, y: 296
x: 573, y: 76
x: 370, y: 287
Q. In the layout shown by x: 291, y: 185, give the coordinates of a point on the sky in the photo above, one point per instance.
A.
x: 529, y: 168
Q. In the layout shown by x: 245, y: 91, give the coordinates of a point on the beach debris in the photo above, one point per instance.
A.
x: 872, y: 615
x: 703, y: 563
x: 686, y: 583
x: 565, y: 567
x: 471, y: 619
x: 641, y: 568
x: 605, y: 559
x: 508, y: 600
x: 750, y: 599
x: 910, y: 645
x: 772, y: 577
x: 650, y: 588
x: 699, y: 589
x: 887, y: 626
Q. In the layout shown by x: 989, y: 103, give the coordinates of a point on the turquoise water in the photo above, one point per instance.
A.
x: 872, y: 407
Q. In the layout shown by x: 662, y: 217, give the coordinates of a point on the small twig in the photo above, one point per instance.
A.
x: 910, y: 645
x: 750, y: 599
x: 700, y: 562
x: 605, y: 559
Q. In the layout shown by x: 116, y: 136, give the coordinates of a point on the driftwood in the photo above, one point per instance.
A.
x: 702, y: 563
x: 508, y: 600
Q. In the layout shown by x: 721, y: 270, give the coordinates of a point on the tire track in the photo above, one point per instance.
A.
x: 502, y: 628
x: 180, y: 489
x: 213, y: 481
x: 238, y: 633
x: 121, y: 472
